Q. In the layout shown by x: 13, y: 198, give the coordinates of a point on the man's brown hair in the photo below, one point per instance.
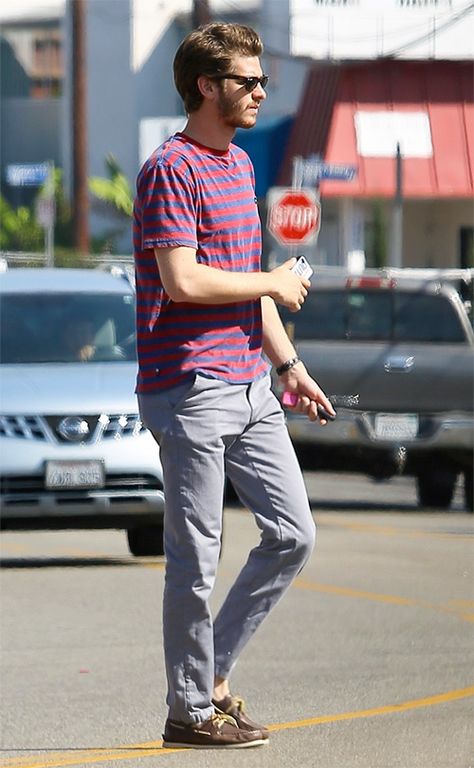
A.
x: 209, y: 50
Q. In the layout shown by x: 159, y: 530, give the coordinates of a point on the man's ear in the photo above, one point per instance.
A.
x: 207, y: 86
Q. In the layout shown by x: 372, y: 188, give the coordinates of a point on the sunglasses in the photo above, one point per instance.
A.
x: 249, y: 83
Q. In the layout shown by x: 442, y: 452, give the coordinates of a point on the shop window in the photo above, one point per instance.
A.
x: 32, y: 61
x: 466, y: 247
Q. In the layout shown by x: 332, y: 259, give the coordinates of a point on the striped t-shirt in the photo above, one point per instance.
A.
x: 191, y: 195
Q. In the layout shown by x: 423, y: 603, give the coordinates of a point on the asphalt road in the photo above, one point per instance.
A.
x: 367, y: 661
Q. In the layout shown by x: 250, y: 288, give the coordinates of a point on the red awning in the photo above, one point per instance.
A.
x: 351, y: 113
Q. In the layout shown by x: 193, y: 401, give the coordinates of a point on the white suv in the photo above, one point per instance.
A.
x: 73, y: 452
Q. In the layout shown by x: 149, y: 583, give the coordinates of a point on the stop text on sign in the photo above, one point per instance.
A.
x: 295, y: 218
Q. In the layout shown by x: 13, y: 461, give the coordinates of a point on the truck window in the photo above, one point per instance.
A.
x: 370, y: 315
x: 323, y: 316
x: 339, y: 314
x: 375, y: 315
x: 421, y: 317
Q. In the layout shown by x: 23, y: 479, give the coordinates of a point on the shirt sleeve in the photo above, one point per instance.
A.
x: 168, y: 207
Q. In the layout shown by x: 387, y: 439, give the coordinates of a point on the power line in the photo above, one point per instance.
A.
x: 444, y: 23
x: 429, y: 35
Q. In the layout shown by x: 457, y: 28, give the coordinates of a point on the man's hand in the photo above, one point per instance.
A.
x: 298, y: 381
x: 288, y: 289
x: 86, y: 352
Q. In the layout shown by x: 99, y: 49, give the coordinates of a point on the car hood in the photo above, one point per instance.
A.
x: 68, y: 388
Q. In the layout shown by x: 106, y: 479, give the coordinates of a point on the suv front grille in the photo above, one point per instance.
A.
x: 46, y: 428
x: 33, y: 484
x: 28, y: 427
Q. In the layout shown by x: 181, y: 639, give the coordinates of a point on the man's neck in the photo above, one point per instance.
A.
x: 208, y: 132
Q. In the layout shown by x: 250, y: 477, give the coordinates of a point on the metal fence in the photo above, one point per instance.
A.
x: 39, y: 259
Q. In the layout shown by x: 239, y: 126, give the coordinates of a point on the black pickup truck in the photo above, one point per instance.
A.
x: 405, y: 346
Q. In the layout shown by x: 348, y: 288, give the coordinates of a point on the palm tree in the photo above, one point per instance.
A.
x: 115, y: 191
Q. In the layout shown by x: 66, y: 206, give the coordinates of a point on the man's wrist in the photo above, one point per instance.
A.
x: 287, y: 365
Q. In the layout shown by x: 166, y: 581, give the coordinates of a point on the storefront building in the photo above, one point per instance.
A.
x: 357, y: 114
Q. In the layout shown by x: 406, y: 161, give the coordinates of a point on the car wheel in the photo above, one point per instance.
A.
x: 469, y: 490
x: 146, y: 540
x: 436, y: 490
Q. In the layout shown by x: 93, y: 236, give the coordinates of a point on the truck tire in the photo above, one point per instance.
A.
x: 436, y: 490
x: 469, y: 490
x: 146, y: 540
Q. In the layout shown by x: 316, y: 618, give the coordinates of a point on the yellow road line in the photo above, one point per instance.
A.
x: 391, y: 530
x: 331, y: 589
x: 154, y: 748
x: 358, y: 593
x: 90, y: 756
x: 405, y: 706
x: 462, y: 603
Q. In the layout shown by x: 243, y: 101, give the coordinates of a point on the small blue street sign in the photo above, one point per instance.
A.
x: 315, y: 171
x: 338, y: 172
x: 27, y: 174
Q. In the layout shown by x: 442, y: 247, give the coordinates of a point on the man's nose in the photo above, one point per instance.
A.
x: 259, y: 92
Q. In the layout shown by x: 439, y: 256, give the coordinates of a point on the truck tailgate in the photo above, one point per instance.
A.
x: 408, y: 377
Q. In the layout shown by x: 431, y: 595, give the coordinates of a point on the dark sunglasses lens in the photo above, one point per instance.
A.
x: 252, y: 82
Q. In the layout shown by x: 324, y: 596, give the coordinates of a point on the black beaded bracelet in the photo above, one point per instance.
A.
x: 284, y: 367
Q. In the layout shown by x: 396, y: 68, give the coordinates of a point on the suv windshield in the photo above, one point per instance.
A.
x: 376, y: 316
x: 65, y: 328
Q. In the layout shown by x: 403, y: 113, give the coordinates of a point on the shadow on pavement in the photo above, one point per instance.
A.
x: 23, y: 561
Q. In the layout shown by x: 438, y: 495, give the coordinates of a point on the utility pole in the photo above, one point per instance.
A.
x: 79, y: 123
x: 396, y: 251
x: 201, y: 13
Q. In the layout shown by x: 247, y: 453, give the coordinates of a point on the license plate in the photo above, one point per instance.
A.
x: 394, y: 426
x: 74, y: 474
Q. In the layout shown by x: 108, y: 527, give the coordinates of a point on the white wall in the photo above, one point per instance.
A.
x: 431, y: 232
x: 130, y: 49
x: 363, y: 29
x: 287, y: 73
x: 20, y: 10
x: 285, y: 88
x: 431, y: 229
x: 110, y: 94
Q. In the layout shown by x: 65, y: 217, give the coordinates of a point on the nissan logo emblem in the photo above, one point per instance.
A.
x: 73, y: 428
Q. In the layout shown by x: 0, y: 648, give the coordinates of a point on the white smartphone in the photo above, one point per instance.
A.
x: 302, y: 268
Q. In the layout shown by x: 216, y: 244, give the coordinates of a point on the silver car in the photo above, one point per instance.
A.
x: 73, y: 452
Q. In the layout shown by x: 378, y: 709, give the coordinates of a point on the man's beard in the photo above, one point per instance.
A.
x: 233, y: 114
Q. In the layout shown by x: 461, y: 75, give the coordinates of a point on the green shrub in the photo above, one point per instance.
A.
x: 19, y: 230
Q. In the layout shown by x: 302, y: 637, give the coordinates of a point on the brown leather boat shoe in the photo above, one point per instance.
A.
x: 235, y: 707
x: 219, y: 731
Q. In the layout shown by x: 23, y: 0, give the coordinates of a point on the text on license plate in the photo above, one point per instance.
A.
x: 74, y: 474
x: 395, y: 426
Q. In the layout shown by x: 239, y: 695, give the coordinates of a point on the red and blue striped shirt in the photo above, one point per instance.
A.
x: 202, y: 198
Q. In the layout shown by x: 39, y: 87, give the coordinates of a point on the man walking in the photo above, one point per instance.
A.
x: 207, y: 325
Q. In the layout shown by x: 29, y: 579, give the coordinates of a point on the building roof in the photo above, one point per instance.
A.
x: 31, y: 10
x: 355, y: 113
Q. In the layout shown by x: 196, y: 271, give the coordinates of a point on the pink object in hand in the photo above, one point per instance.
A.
x: 289, y: 398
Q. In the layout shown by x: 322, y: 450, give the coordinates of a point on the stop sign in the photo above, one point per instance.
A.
x: 294, y: 216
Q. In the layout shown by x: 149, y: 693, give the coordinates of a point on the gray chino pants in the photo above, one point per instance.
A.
x: 205, y: 429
